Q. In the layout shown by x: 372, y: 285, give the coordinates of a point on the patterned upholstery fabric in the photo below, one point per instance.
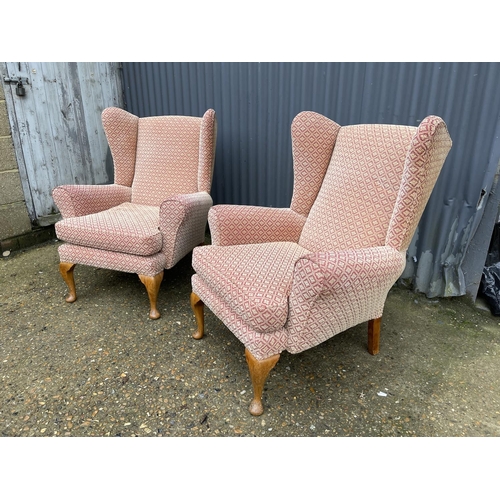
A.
x: 313, y: 302
x: 361, y: 191
x: 164, y: 167
x: 255, y: 280
x: 121, y: 129
x: 127, y: 228
x: 208, y: 137
x: 262, y: 345
x: 313, y: 140
x: 185, y: 217
x: 156, y: 212
x: 75, y: 201
x: 149, y: 265
x: 239, y: 225
x: 333, y: 291
x: 356, y: 200
x: 428, y: 151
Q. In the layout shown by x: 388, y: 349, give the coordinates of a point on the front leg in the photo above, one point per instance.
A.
x: 259, y: 370
x: 197, y: 306
x: 152, y: 284
x: 66, y: 269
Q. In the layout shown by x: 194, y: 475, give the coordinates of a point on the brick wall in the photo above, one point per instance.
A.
x: 14, y: 219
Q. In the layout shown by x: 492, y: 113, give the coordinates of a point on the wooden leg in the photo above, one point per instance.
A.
x: 152, y: 284
x: 66, y: 269
x: 197, y: 306
x: 259, y: 370
x: 374, y: 336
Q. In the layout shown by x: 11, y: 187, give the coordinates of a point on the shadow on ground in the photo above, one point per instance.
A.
x: 100, y: 367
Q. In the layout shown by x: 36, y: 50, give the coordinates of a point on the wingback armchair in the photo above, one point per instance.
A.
x: 292, y: 278
x: 155, y: 213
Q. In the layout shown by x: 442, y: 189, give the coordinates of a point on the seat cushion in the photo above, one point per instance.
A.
x: 254, y: 280
x: 127, y: 228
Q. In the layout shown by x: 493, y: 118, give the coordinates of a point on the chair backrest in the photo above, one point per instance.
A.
x: 377, y: 184
x: 161, y: 156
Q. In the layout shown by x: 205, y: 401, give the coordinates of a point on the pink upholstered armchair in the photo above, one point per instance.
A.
x: 155, y: 213
x: 291, y: 278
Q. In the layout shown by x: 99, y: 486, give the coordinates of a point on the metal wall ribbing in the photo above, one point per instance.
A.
x: 256, y: 103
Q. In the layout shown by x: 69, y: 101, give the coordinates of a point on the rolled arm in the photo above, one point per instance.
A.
x: 183, y: 220
x: 332, y: 272
x: 77, y: 200
x: 334, y: 291
x: 241, y: 225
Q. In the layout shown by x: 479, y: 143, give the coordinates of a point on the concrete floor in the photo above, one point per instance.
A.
x: 100, y: 367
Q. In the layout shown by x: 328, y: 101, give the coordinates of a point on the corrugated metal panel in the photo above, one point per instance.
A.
x: 466, y: 96
x: 256, y: 103
x: 254, y: 159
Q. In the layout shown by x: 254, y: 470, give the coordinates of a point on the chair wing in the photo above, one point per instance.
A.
x: 121, y: 129
x: 428, y: 151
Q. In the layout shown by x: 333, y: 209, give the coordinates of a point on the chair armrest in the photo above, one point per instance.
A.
x: 241, y: 225
x: 334, y: 291
x: 361, y: 268
x: 77, y: 200
x: 183, y: 220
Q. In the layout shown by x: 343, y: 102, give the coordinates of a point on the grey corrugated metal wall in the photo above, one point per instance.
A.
x: 256, y: 103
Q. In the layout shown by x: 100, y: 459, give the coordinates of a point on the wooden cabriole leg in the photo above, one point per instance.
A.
x: 259, y: 370
x: 197, y: 306
x: 152, y: 284
x: 374, y: 336
x: 66, y: 269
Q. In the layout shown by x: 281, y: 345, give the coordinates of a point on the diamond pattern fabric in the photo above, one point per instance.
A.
x: 149, y: 265
x: 168, y: 159
x: 361, y: 190
x: 127, y: 228
x: 239, y: 225
x: 313, y: 140
x: 333, y: 291
x: 254, y: 279
x: 156, y: 211
x: 184, y: 216
x: 121, y: 129
x: 356, y: 200
x: 75, y: 201
x: 428, y: 151
x: 262, y: 345
x: 208, y: 138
